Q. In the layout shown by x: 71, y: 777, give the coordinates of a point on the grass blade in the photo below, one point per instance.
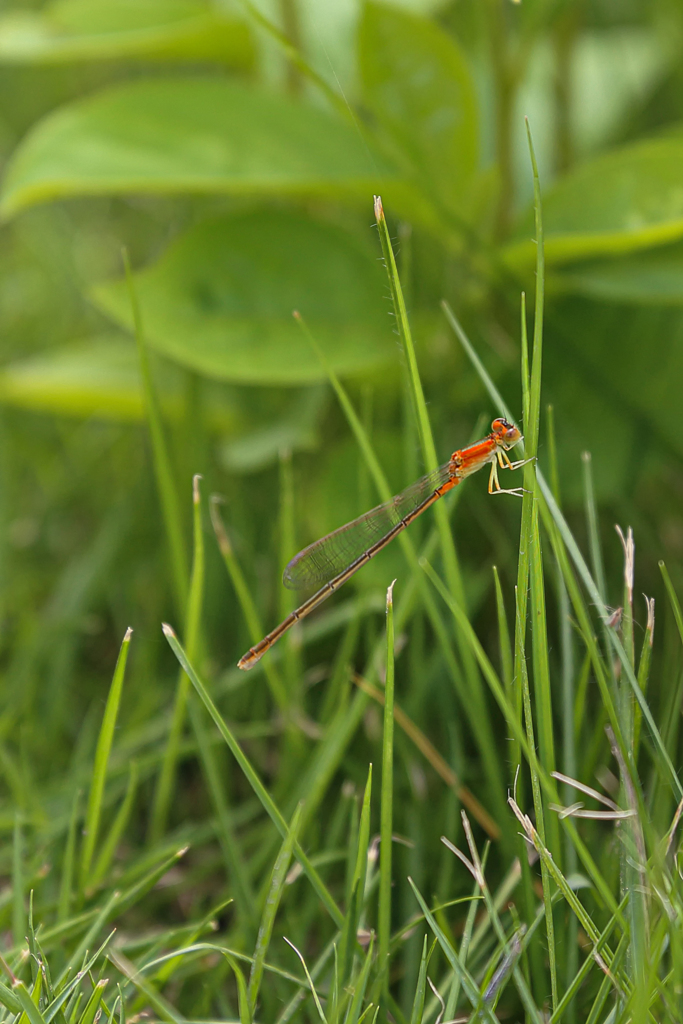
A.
x: 252, y: 776
x: 164, y: 791
x: 275, y: 891
x: 168, y: 490
x: 99, y: 776
x: 386, y: 813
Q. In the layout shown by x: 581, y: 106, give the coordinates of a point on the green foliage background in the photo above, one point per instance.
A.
x: 233, y: 149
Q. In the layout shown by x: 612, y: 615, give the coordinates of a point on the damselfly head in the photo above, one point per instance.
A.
x: 506, y: 434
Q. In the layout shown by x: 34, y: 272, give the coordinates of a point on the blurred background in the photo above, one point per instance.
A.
x: 234, y: 149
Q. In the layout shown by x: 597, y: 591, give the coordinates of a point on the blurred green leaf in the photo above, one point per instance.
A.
x: 419, y: 87
x: 68, y: 30
x: 200, y: 135
x: 221, y: 299
x: 98, y: 378
x: 628, y: 199
x: 654, y: 278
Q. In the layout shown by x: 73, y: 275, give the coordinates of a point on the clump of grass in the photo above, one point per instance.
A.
x: 562, y: 902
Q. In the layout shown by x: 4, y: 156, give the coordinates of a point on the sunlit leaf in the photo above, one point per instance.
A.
x: 68, y: 30
x: 221, y: 299
x: 96, y: 378
x: 628, y: 199
x: 200, y: 135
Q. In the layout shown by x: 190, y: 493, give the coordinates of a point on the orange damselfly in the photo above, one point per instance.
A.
x: 331, y: 561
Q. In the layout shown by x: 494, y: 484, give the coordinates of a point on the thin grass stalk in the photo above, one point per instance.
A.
x: 591, y: 510
x: 288, y: 545
x: 102, y: 753
x: 386, y: 812
x: 421, y: 987
x: 317, y: 969
x: 163, y: 795
x: 356, y: 890
x: 494, y: 917
x: 505, y: 645
x: 18, y: 909
x: 69, y: 862
x: 644, y: 671
x: 237, y: 872
x: 469, y: 985
x: 168, y: 491
x: 659, y: 748
x: 431, y: 754
x: 463, y: 952
x: 275, y: 891
x: 354, y: 1014
x: 564, y: 1006
x: 530, y: 541
x: 113, y: 838
x: 563, y: 885
x: 469, y: 692
x: 451, y: 564
x: 161, y: 1006
x: 518, y: 733
x: 254, y: 626
x: 252, y: 776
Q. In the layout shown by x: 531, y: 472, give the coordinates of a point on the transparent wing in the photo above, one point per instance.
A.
x: 327, y: 557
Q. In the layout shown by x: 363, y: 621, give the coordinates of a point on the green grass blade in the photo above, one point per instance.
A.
x: 401, y: 313
x: 468, y: 687
x: 118, y: 827
x: 29, y: 1008
x: 592, y: 523
x: 311, y: 986
x: 242, y: 991
x: 515, y: 726
x: 102, y: 753
x: 18, y: 909
x: 504, y: 642
x: 92, y: 1007
x: 252, y: 776
x: 421, y: 987
x: 463, y: 952
x: 161, y: 1006
x: 356, y: 894
x: 275, y: 891
x: 644, y: 670
x: 429, y: 453
x: 578, y: 560
x: 163, y: 796
x: 386, y: 813
x: 254, y: 626
x: 236, y: 868
x: 353, y: 1016
x: 168, y: 491
x: 467, y: 982
x: 588, y: 965
x: 66, y: 882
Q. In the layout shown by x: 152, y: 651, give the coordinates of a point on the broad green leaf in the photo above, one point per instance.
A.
x: 221, y: 299
x: 418, y: 85
x: 69, y: 30
x: 199, y: 135
x: 653, y: 278
x: 96, y: 378
x: 628, y: 199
